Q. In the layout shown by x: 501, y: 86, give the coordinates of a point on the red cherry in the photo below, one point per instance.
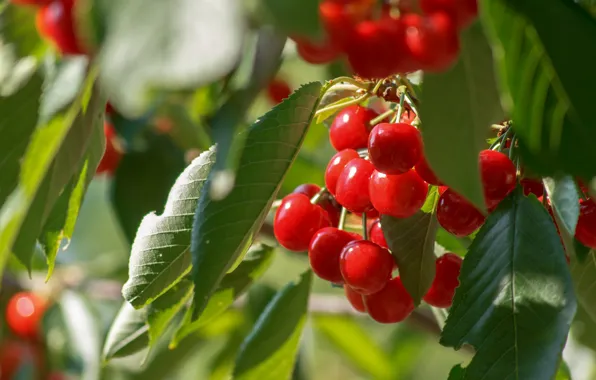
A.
x: 14, y: 355
x: 351, y: 127
x: 355, y: 299
x: 397, y: 195
x: 324, y: 251
x: 352, y: 185
x: 35, y: 3
x: 532, y: 186
x: 339, y: 18
x: 278, y: 90
x: 394, y: 148
x: 585, y: 232
x: 462, y: 11
x: 55, y: 21
x: 375, y: 234
x: 408, y: 116
x: 317, y: 54
x: 24, y: 313
x: 432, y: 41
x: 390, y: 305
x: 426, y: 173
x: 297, y: 220
x: 365, y: 266
x: 111, y: 157
x: 336, y: 166
x: 370, y: 214
x: 458, y: 216
x: 308, y: 189
x: 498, y: 175
x: 446, y: 279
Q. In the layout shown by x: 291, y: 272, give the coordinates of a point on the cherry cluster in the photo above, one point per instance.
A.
x: 397, y: 38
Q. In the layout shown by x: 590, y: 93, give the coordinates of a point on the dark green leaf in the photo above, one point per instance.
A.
x: 128, y: 334
x: 457, y: 373
x: 547, y: 93
x: 293, y: 17
x: 584, y: 328
x: 160, y: 254
x: 185, y: 44
x: 564, y: 198
x: 467, y: 93
x: 269, y: 351
x: 223, y: 230
x: 17, y: 26
x: 515, y: 301
x: 584, y: 278
x: 253, y: 266
x: 163, y: 310
x: 412, y: 243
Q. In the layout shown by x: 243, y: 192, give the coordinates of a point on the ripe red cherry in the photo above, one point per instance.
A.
x: 317, y: 53
x: 352, y: 185
x: 336, y: 166
x: 297, y: 220
x: 446, y: 279
x: 390, y: 305
x: 432, y: 41
x: 308, y: 189
x: 339, y: 18
x: 55, y: 21
x: 462, y: 11
x: 355, y: 299
x: 351, y: 127
x: 498, y: 175
x: 365, y: 266
x: 24, y: 313
x: 397, y: 195
x: 278, y: 90
x: 458, y: 216
x: 426, y: 173
x: 111, y: 157
x: 532, y: 186
x: 324, y: 251
x: 375, y: 234
x: 585, y: 232
x: 394, y: 148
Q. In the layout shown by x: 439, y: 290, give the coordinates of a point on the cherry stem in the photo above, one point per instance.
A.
x: 511, y: 148
x: 337, y: 107
x: 276, y: 204
x: 382, y: 117
x: 504, y: 141
x: 400, y: 110
x: 363, y: 153
x: 544, y: 197
x: 342, y: 218
x: 328, y: 85
x: 496, y: 142
x: 377, y: 86
x: 364, y: 227
x: 314, y: 200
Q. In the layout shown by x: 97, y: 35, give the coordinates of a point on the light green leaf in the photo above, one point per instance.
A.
x: 584, y: 279
x: 17, y: 27
x: 269, y: 351
x: 128, y: 334
x: 457, y: 108
x: 222, y: 230
x: 563, y: 373
x: 515, y: 301
x: 161, y: 312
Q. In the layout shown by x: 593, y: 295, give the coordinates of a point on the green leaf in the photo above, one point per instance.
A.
x: 564, y: 198
x: 185, y: 44
x: 457, y: 373
x: 160, y: 254
x: 222, y: 230
x: 161, y: 312
x: 269, y: 351
x: 355, y: 343
x: 128, y: 333
x: 563, y: 373
x: 468, y: 94
x: 584, y: 328
x: 546, y: 92
x: 17, y: 27
x: 451, y: 243
x: 254, y: 265
x: 584, y: 279
x: 334, y: 108
x: 293, y: 17
x: 137, y: 191
x: 412, y: 243
x: 515, y: 301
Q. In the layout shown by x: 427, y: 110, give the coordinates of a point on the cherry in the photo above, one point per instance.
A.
x: 336, y: 166
x: 24, y: 313
x: 352, y: 185
x: 55, y: 21
x: 585, y: 232
x: 340, y: 17
x: 498, y: 175
x: 297, y: 220
x: 426, y: 173
x: 308, y: 189
x: 111, y: 157
x: 370, y: 214
x: 324, y: 251
x: 394, y: 148
x: 317, y: 53
x: 278, y: 90
x: 462, y: 11
x: 365, y: 266
x: 14, y: 355
x: 458, y: 216
x: 375, y: 234
x: 350, y: 128
x: 432, y: 41
x: 408, y: 116
x: 356, y: 299
x: 397, y: 195
x: 390, y: 305
x: 532, y: 186
x: 446, y: 279
x: 36, y: 3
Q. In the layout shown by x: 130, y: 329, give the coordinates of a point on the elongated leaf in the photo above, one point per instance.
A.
x: 564, y: 198
x: 293, y: 17
x: 515, y: 301
x: 457, y: 109
x: 547, y: 93
x: 253, y: 266
x: 223, y: 230
x: 160, y: 254
x: 128, y: 334
x: 17, y: 26
x: 584, y: 279
x: 269, y: 351
x: 353, y: 342
x: 161, y: 312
